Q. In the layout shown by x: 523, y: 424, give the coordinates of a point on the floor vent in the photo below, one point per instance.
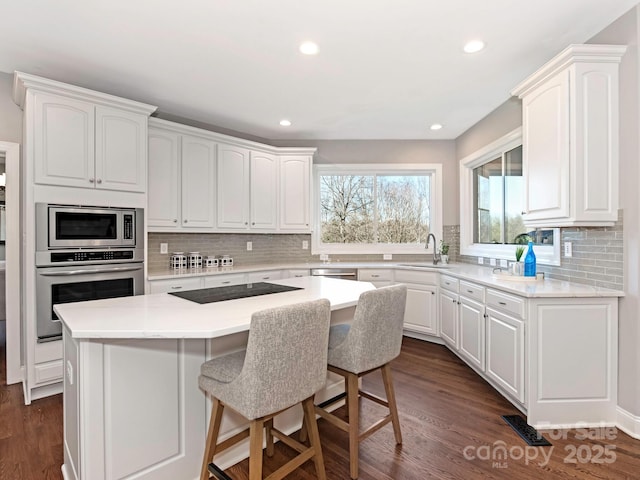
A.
x: 526, y: 431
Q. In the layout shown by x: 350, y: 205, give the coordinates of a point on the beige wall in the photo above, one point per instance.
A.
x: 10, y: 113
x: 501, y: 121
x: 625, y: 31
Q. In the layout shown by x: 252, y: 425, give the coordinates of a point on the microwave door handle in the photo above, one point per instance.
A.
x: 89, y: 271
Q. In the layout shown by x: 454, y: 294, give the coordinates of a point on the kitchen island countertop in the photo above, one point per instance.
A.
x: 166, y: 316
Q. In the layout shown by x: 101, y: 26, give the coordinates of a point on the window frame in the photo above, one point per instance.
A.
x: 435, y: 214
x: 545, y: 255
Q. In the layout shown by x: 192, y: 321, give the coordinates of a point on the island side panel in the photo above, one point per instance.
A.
x: 141, y: 411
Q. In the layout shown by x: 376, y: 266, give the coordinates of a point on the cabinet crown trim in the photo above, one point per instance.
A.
x: 167, y: 125
x: 25, y: 81
x: 572, y: 54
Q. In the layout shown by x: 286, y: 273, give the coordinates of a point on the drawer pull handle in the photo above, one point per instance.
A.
x: 503, y: 303
x: 176, y: 288
x: 224, y: 283
x: 375, y: 276
x: 469, y: 291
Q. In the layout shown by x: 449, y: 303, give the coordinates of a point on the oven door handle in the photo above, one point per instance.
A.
x: 89, y: 271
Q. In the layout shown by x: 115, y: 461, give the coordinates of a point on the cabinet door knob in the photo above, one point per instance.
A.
x: 454, y: 300
x: 523, y: 213
x: 175, y: 220
x: 253, y: 223
x: 185, y: 221
x: 433, y: 293
x: 91, y: 180
x: 99, y: 180
x: 246, y: 223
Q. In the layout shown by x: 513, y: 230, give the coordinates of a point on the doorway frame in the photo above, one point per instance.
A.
x: 13, y: 295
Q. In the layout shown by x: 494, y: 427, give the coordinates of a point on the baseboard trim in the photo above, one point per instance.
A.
x: 628, y: 422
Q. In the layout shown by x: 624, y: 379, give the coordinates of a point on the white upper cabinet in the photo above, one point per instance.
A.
x: 198, y: 175
x: 295, y: 195
x: 209, y: 182
x: 121, y: 150
x: 164, y: 179
x: 233, y: 187
x: 264, y: 191
x: 82, y: 138
x: 570, y: 138
x: 182, y: 173
x: 64, y: 148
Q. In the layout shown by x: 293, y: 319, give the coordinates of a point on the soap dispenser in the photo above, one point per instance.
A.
x: 530, y: 262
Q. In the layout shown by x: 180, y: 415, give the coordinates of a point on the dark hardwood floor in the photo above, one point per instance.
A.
x: 451, y: 429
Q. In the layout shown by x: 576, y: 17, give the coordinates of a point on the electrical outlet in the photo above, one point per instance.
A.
x: 504, y: 263
x: 387, y: 256
x: 492, y: 262
x: 305, y: 245
x: 324, y: 256
x: 568, y: 249
x: 480, y: 260
x: 249, y: 246
x: 164, y: 248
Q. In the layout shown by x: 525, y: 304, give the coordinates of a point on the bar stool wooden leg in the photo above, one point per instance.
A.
x: 314, y: 436
x: 212, y: 437
x: 268, y: 427
x: 255, y: 449
x: 391, y: 399
x: 354, y: 423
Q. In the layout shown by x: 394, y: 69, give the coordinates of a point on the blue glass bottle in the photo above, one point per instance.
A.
x: 530, y: 262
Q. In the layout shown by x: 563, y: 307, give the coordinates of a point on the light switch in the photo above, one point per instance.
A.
x: 249, y: 246
x: 164, y: 248
x: 387, y: 256
x: 305, y: 245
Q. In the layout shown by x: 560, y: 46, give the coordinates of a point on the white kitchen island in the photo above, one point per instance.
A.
x: 132, y: 406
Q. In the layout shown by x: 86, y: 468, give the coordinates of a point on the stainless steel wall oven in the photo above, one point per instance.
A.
x: 85, y: 253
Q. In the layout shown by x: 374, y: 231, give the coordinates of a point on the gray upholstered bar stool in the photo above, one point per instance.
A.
x: 368, y: 343
x: 284, y: 364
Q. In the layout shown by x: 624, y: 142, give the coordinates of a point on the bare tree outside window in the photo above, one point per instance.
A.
x: 390, y: 209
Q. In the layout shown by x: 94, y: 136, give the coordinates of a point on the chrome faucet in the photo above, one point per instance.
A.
x: 436, y: 256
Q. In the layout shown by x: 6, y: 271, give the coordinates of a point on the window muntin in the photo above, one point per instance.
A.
x: 376, y: 208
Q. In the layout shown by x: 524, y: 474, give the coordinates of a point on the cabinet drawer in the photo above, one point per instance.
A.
x: 374, y: 275
x: 449, y: 283
x: 49, y: 372
x: 506, y: 302
x: 471, y: 290
x: 224, y: 280
x: 265, y: 276
x: 181, y: 285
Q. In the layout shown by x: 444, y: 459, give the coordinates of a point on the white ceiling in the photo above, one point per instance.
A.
x: 387, y: 69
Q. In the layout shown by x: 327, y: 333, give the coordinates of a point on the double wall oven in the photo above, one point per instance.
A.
x: 85, y: 253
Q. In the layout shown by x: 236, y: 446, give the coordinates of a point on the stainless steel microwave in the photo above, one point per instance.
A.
x: 72, y: 226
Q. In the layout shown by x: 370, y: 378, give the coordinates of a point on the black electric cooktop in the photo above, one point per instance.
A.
x: 232, y: 292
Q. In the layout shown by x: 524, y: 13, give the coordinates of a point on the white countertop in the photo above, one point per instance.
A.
x: 163, y: 315
x: 474, y: 273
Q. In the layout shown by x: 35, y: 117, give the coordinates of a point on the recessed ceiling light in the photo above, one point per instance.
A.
x: 285, y: 123
x: 474, y: 46
x: 435, y: 126
x: 309, y: 48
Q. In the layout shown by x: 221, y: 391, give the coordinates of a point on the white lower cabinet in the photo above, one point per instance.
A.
x: 378, y: 277
x: 175, y: 285
x: 296, y: 272
x: 449, y: 318
x: 421, y: 313
x: 505, y: 352
x: 224, y: 280
x: 471, y: 321
x: 265, y: 276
